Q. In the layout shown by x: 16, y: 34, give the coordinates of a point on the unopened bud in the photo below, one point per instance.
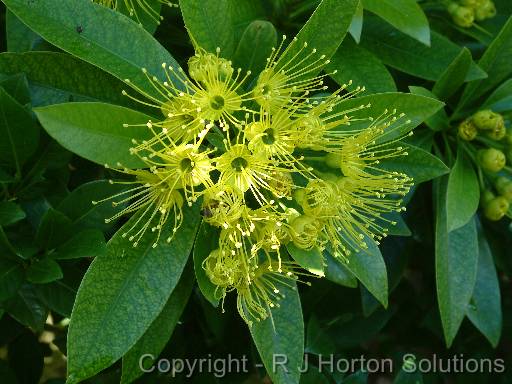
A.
x: 485, y: 10
x: 504, y: 187
x: 491, y: 159
x: 495, y: 209
x: 488, y: 120
x: 461, y: 15
x: 304, y: 231
x: 467, y: 130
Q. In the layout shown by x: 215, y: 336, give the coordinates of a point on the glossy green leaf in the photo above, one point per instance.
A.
x: 255, y: 46
x: 356, y: 26
x: 27, y: 308
x: 484, y: 310
x: 87, y: 243
x: 355, y: 63
x: 44, y: 271
x: 158, y: 334
x: 124, y: 284
x: 207, y: 240
x: 405, y: 15
x: 19, y: 133
x: 55, y: 229
x: 281, y: 337
x: 333, y: 18
x: 203, y: 22
x: 454, y: 75
x: 84, y: 29
x: 58, y: 77
x: 439, y: 121
x: 20, y: 38
x: 337, y: 272
x: 405, y: 54
x: 496, y: 62
x: 311, y: 260
x: 456, y: 265
x: 418, y: 164
x: 463, y: 194
x: 501, y: 99
x: 95, y: 131
x: 79, y: 207
x: 11, y: 278
x: 16, y: 85
x: 60, y: 295
x: 10, y: 213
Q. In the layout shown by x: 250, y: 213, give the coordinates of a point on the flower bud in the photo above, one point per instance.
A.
x: 504, y: 187
x: 495, y: 209
x: 488, y: 120
x: 467, y: 130
x: 491, y: 159
x: 469, y: 3
x: 461, y: 16
x: 486, y: 10
x: 486, y: 197
x: 497, y: 133
x: 333, y: 160
x: 304, y: 231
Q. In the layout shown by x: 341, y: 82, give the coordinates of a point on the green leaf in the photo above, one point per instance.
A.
x: 58, y: 77
x: 207, y: 240
x: 463, y: 194
x: 20, y: 134
x: 27, y: 309
x: 484, y: 310
x: 124, y: 284
x: 454, y: 75
x: 83, y: 213
x: 84, y: 29
x: 405, y: 54
x: 337, y: 272
x: 501, y: 99
x: 405, y: 15
x: 439, y: 121
x: 16, y: 86
x: 409, y: 374
x: 10, y: 213
x: 369, y: 268
x: 333, y: 18
x: 314, y: 376
x: 355, y: 63
x: 255, y: 46
x: 44, y: 271
x: 158, y: 334
x: 360, y: 377
x: 87, y: 243
x: 496, y: 62
x: 55, y: 229
x: 20, y: 38
x: 311, y: 260
x: 11, y: 278
x: 416, y: 108
x: 209, y: 24
x: 281, y: 337
x: 356, y: 26
x: 95, y: 131
x: 60, y: 295
x: 456, y: 265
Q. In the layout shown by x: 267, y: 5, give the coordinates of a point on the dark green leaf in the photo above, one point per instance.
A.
x: 95, y: 131
x: 19, y: 132
x: 158, y: 334
x: 209, y: 24
x: 87, y: 243
x: 27, y: 309
x: 10, y: 213
x: 311, y: 260
x: 501, y: 99
x: 439, y: 121
x: 11, y: 278
x: 55, y: 229
x: 360, y: 377
x: 355, y: 63
x: 207, y: 240
x: 44, y: 271
x: 463, y: 194
x: 60, y: 295
x: 20, y: 38
x: 454, y: 75
x: 456, y: 265
x: 356, y: 26
x: 337, y: 272
x: 484, y: 310
x: 84, y: 30
x: 405, y: 15
x: 16, y: 86
x: 124, y: 284
x: 281, y: 337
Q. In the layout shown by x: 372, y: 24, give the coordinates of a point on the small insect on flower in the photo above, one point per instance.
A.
x: 136, y: 8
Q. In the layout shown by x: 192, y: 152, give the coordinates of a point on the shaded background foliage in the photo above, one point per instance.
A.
x: 46, y: 204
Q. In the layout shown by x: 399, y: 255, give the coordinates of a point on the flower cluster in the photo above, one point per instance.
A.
x: 465, y: 12
x: 248, y: 150
x: 134, y: 7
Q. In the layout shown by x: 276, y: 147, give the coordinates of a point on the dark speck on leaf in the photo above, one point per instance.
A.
x: 79, y: 29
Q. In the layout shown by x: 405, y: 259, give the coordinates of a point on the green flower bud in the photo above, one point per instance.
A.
x: 497, y: 133
x: 333, y: 160
x: 485, y: 10
x: 504, y: 187
x: 496, y: 208
x: 462, y: 16
x: 304, y: 231
x: 486, y: 197
x: 488, y: 120
x: 467, y: 130
x: 469, y: 3
x: 491, y: 159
